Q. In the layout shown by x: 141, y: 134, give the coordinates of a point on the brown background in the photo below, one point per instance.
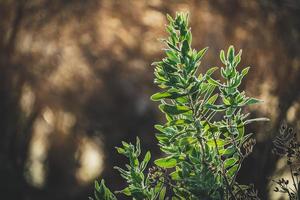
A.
x: 75, y: 80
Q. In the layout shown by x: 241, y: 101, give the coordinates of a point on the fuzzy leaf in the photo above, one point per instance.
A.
x: 230, y: 54
x: 222, y: 57
x: 174, y: 110
x: 167, y: 162
x: 230, y: 162
x: 251, y: 101
x: 168, y: 95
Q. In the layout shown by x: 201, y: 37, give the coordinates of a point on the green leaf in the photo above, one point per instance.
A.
x: 224, y: 73
x: 172, y: 46
x: 174, y: 175
x: 102, y: 192
x: 229, y: 151
x: 237, y: 58
x: 174, y: 110
x: 231, y: 172
x: 125, y: 191
x: 162, y: 193
x: 230, y: 162
x: 189, y: 37
x: 165, y: 130
x: 220, y: 143
x: 226, y: 101
x: 168, y: 67
x: 170, y: 19
x: 138, y: 146
x: 147, y: 157
x: 200, y: 54
x: 213, y: 81
x: 120, y: 150
x: 251, y: 101
x: 167, y: 162
x: 211, y: 71
x: 222, y: 57
x: 125, y: 144
x: 185, y: 47
x: 212, y: 99
x: 245, y: 71
x: 165, y: 95
x: 230, y: 54
x: 179, y: 122
x: 172, y: 56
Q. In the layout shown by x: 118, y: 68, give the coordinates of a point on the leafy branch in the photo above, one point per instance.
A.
x: 203, y: 140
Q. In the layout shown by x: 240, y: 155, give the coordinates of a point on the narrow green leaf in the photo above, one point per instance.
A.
x: 237, y: 58
x: 167, y: 162
x: 189, y: 37
x: 174, y: 175
x: 162, y: 193
x: 222, y: 57
x: 200, y: 54
x: 251, y: 101
x: 147, y: 157
x: 213, y: 81
x: 229, y: 151
x: 172, y: 56
x: 172, y: 46
x: 168, y: 95
x: 220, y: 143
x: 230, y: 162
x: 230, y: 54
x: 185, y: 47
x: 211, y: 71
x: 125, y: 191
x: 179, y: 122
x: 245, y: 71
x: 231, y: 172
x: 145, y: 161
x: 102, y: 192
x: 170, y: 19
x: 174, y: 110
x: 212, y: 99
x: 120, y: 150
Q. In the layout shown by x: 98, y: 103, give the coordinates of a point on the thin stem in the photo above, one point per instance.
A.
x: 222, y: 164
x: 197, y: 129
x: 294, y: 182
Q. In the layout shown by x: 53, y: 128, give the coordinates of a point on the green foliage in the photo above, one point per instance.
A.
x: 102, y: 192
x: 203, y: 140
x: 138, y: 186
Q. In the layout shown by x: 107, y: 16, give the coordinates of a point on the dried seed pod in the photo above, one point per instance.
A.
x: 248, y: 146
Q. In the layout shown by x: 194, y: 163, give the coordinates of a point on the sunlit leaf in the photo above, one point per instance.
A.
x: 167, y: 162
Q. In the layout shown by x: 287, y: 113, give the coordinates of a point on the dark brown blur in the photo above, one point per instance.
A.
x: 75, y: 80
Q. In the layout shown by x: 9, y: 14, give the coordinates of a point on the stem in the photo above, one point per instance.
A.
x: 200, y: 139
x: 294, y: 183
x: 222, y: 164
x: 215, y: 141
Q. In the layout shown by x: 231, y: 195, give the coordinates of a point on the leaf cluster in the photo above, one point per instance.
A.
x: 203, y: 139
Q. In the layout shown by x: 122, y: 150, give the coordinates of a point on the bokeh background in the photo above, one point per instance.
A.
x: 75, y: 80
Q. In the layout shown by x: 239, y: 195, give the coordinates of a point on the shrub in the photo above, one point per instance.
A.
x: 203, y: 140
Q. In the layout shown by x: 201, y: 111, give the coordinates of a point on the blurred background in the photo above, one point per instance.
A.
x: 75, y: 80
